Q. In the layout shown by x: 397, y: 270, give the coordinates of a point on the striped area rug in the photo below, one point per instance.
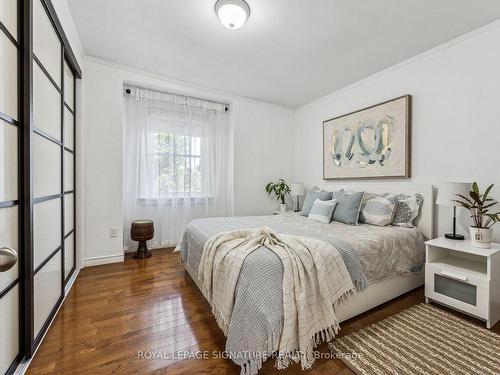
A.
x: 420, y: 340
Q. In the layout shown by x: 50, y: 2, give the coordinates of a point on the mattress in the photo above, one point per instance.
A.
x: 382, y: 251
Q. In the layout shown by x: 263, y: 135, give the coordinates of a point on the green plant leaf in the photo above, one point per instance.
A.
x: 463, y: 204
x: 464, y: 198
x: 269, y: 187
x: 475, y: 188
x: 475, y: 196
x: 485, y: 195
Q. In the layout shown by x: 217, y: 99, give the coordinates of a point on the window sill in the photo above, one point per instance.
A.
x: 165, y: 201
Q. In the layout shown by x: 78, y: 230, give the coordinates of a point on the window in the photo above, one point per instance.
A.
x: 178, y: 159
x: 178, y: 162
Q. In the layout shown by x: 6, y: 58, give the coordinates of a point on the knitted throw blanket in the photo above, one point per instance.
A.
x: 315, y: 280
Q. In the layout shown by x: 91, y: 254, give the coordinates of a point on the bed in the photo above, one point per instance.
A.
x: 391, y: 259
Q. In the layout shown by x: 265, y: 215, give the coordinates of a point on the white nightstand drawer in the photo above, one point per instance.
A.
x: 458, y: 289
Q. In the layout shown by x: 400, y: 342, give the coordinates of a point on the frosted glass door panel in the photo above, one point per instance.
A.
x: 47, y: 290
x: 46, y: 228
x: 455, y: 289
x: 8, y: 15
x: 8, y: 162
x: 8, y: 76
x: 9, y: 328
x: 46, y: 167
x: 69, y: 210
x: 9, y: 237
x: 69, y: 86
x: 68, y: 171
x: 69, y: 254
x: 46, y: 104
x: 46, y: 44
x: 69, y: 129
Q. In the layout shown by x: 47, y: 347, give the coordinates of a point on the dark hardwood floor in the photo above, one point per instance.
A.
x: 114, y: 312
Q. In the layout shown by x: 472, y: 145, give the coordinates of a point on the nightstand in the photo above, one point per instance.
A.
x: 464, y: 278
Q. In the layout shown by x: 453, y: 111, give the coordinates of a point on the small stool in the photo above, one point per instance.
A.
x: 142, y: 231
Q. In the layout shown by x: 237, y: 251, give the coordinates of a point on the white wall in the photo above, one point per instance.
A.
x: 262, y: 143
x: 456, y: 115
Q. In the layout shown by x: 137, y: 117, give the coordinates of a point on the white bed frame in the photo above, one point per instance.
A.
x: 389, y: 288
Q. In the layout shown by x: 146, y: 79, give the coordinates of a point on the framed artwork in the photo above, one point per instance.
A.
x: 373, y: 142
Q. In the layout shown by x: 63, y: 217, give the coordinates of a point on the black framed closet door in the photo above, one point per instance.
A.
x: 47, y: 170
x: 10, y: 136
x: 37, y: 174
x: 53, y: 151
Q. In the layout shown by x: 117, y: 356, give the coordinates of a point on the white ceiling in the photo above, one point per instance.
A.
x: 289, y: 52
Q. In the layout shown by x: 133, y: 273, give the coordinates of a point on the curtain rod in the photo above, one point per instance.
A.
x: 128, y: 92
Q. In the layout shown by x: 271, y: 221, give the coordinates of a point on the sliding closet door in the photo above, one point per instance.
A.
x: 69, y: 171
x: 48, y: 167
x: 9, y: 187
x: 37, y: 164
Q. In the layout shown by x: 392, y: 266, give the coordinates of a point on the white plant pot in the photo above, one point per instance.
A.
x: 480, y: 237
x: 282, y: 208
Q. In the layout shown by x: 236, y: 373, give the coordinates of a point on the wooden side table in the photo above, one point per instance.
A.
x: 142, y: 231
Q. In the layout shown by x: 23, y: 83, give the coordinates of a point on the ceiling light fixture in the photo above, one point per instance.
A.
x: 232, y: 13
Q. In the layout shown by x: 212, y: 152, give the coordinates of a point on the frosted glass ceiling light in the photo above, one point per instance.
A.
x: 232, y: 13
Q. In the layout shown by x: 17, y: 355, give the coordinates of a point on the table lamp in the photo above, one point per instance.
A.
x: 296, y: 190
x: 447, y: 193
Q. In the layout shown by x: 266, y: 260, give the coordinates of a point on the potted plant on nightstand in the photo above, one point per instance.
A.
x: 280, y: 189
x: 479, y: 206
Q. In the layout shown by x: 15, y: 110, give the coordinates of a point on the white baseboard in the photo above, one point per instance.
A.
x: 106, y: 259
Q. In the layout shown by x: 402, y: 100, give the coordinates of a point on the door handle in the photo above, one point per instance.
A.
x: 455, y: 276
x: 8, y: 258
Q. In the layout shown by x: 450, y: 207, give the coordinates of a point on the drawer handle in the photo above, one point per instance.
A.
x: 454, y: 276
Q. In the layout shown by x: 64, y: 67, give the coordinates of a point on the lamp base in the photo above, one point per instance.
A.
x: 297, y: 204
x: 452, y: 236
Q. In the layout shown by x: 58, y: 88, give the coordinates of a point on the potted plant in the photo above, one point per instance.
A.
x: 479, y: 206
x: 280, y: 189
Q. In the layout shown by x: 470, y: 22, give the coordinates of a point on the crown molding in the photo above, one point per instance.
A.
x: 208, y: 92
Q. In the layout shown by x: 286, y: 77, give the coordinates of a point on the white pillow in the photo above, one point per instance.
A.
x: 322, y: 211
x: 378, y: 211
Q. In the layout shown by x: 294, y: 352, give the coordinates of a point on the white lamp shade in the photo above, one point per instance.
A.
x: 297, y: 189
x: 448, y: 192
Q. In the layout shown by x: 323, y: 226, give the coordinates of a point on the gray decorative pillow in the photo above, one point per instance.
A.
x: 378, y: 211
x: 407, y: 209
x: 366, y: 197
x: 322, y: 210
x: 348, y: 206
x: 311, y: 197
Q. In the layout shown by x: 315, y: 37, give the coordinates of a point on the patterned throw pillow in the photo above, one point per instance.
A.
x: 366, y: 197
x: 407, y: 209
x: 322, y: 211
x: 378, y: 211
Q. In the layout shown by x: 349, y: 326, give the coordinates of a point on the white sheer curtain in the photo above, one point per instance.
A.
x: 178, y: 162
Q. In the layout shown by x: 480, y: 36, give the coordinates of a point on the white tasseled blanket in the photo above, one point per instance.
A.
x: 315, y: 280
